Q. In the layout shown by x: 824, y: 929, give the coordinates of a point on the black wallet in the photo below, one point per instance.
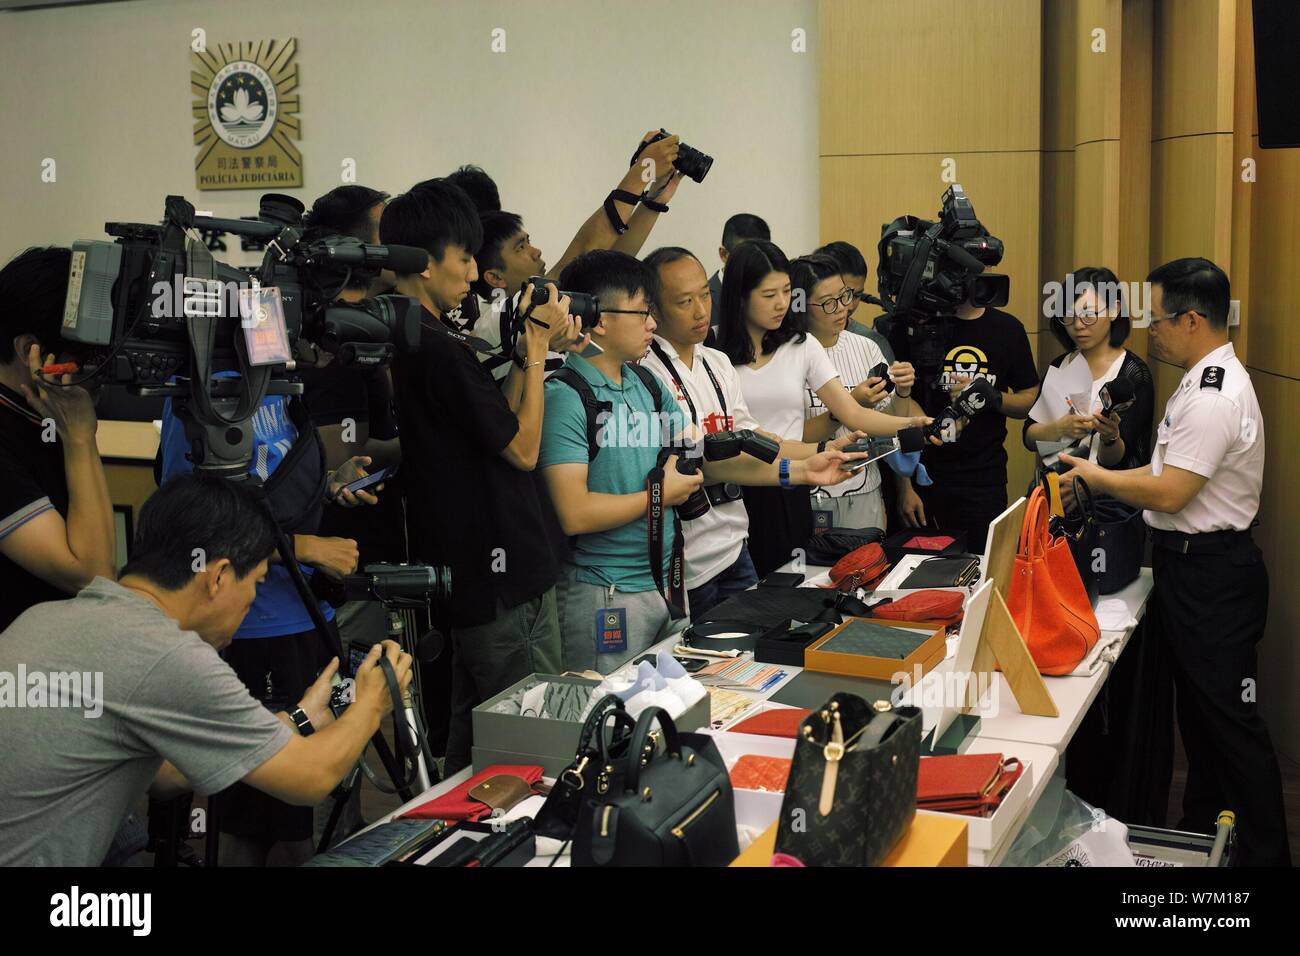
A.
x: 955, y: 571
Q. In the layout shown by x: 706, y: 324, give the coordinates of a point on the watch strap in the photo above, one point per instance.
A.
x: 302, y: 721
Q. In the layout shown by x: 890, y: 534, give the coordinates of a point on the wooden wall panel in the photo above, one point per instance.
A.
x: 860, y: 193
x: 1135, y: 151
x: 1187, y: 218
x: 1190, y: 94
x: 1056, y: 221
x: 1096, y: 204
x: 1279, y: 652
x: 1275, y: 263
x: 1242, y: 191
x: 929, y: 76
x: 1061, y: 51
x: 1097, y: 72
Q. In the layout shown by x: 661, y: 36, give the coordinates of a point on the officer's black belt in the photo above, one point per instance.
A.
x: 723, y: 492
x: 1207, y: 542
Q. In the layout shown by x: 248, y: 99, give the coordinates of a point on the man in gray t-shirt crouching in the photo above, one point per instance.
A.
x: 121, y: 690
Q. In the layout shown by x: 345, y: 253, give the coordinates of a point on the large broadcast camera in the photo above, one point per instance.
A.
x: 927, y: 269
x: 155, y: 312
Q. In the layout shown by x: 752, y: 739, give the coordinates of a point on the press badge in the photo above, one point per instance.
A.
x: 823, y: 520
x: 261, y: 314
x: 611, y: 630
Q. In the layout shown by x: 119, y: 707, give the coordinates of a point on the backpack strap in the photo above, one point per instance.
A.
x: 590, y: 404
x: 651, y: 383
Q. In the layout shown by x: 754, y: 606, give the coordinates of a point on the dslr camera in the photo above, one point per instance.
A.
x: 689, y: 162
x: 585, y: 308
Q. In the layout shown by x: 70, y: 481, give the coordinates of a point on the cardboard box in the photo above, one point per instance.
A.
x: 758, y: 809
x: 550, y: 744
x: 925, y: 655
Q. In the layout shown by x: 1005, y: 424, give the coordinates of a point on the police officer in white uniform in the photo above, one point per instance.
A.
x: 1201, y: 494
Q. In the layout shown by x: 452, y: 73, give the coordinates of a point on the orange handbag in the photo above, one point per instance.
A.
x: 859, y: 569
x: 1047, y: 599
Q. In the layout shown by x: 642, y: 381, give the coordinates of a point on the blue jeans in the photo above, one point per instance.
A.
x: 739, y: 577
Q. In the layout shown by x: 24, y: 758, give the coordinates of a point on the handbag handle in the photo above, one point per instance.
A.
x: 1083, y: 499
x: 1034, y: 527
x: 636, y: 753
x: 610, y: 705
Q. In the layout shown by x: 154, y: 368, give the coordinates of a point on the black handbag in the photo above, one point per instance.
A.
x: 1121, y: 537
x: 851, y: 794
x: 674, y: 808
x: 1079, y: 528
x: 559, y: 814
x: 827, y: 547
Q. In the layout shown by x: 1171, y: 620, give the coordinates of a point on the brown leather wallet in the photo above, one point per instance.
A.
x: 502, y: 792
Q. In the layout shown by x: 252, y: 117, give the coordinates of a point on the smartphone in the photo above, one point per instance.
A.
x: 882, y: 371
x: 591, y: 351
x: 372, y: 479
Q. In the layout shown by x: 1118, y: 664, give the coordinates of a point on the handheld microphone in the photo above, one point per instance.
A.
x: 1117, y: 395
x: 975, y: 399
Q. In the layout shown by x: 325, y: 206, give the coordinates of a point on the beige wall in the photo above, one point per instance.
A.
x: 410, y: 89
x: 1125, y: 158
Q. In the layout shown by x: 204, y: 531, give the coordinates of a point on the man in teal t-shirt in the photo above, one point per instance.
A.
x: 603, y: 503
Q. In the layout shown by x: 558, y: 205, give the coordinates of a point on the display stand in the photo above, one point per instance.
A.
x: 1001, y: 643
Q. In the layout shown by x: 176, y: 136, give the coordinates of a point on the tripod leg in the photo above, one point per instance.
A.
x: 390, y: 762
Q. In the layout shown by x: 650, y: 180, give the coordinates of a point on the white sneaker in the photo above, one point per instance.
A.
x: 687, y: 688
x: 651, y: 690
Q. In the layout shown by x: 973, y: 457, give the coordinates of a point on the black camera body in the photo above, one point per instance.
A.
x: 689, y: 162
x: 928, y: 268
x: 719, y: 446
x: 585, y: 308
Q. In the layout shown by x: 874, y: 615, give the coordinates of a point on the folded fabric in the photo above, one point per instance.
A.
x: 457, y: 804
x: 775, y: 722
x: 908, y: 464
x: 686, y: 687
x: 1105, y: 651
x: 758, y: 772
x: 533, y: 701
x: 1113, y: 615
x: 566, y: 701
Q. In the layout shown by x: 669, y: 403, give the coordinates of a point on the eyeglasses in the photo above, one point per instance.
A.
x: 644, y: 313
x: 1087, y: 317
x: 831, y: 306
x: 1157, y: 319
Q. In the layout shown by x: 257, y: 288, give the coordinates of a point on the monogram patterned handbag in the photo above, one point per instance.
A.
x: 852, y: 789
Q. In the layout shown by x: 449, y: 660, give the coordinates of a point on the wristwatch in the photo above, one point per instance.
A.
x: 302, y: 721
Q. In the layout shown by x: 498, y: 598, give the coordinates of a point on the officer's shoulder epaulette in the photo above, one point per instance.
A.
x: 1212, y: 377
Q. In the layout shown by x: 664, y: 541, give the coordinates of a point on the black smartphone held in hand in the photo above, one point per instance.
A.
x: 372, y: 479
x: 882, y: 371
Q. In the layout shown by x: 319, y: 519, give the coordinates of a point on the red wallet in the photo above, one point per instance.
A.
x: 971, y: 784
x: 929, y: 542
x: 457, y: 804
x: 777, y: 722
x: 859, y: 569
x: 755, y: 772
x: 941, y: 607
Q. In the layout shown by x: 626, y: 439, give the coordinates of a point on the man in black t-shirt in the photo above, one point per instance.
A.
x: 970, y: 474
x: 56, y: 517
x: 468, y: 448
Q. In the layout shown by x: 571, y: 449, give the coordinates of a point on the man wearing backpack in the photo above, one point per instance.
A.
x: 607, y: 457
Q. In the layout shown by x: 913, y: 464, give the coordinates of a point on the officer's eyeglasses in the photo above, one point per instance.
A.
x: 1157, y: 319
x: 832, y: 305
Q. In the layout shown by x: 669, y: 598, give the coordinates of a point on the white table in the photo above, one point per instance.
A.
x: 1039, y: 740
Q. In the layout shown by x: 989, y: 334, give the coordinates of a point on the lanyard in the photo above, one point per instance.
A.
x: 674, y: 594
x: 668, y: 364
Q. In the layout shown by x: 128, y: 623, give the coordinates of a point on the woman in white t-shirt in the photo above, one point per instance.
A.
x: 777, y: 361
x: 818, y: 286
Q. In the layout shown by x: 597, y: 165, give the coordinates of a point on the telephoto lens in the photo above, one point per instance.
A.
x: 585, y: 308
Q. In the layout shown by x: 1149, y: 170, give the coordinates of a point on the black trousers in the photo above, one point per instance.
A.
x: 964, y: 507
x: 1209, y: 610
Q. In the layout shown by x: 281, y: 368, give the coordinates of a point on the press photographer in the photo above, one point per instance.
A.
x: 944, y: 319
x: 56, y: 518
x: 172, y: 715
x: 467, y: 452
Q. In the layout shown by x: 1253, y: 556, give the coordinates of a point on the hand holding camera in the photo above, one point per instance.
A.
x: 372, y: 686
x: 678, y: 484
x: 545, y: 321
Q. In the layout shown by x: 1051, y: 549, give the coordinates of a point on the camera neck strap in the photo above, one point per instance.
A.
x: 439, y: 327
x: 674, y: 590
x: 667, y: 361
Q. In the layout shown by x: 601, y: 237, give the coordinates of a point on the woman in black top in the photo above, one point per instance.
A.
x: 1097, y: 327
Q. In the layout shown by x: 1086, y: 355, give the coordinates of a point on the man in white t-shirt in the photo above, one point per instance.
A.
x: 706, y: 386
